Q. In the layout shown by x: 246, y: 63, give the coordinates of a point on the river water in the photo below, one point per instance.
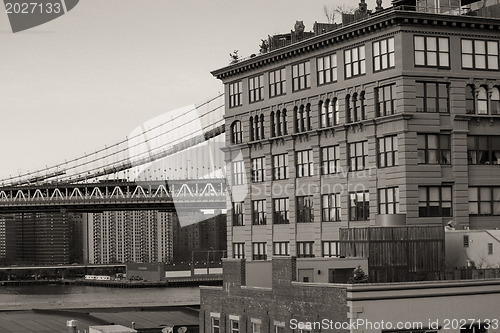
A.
x: 65, y: 297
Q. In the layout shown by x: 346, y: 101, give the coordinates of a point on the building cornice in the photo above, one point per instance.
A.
x: 379, y: 21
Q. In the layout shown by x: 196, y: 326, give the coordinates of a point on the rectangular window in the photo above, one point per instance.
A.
x: 466, y: 240
x: 238, y: 173
x: 358, y: 154
x: 490, y: 248
x: 277, y: 82
x: 305, y: 211
x: 355, y: 63
x: 383, y: 54
x: 281, y: 248
x: 330, y: 160
x: 434, y: 148
x: 234, y: 325
x: 483, y: 149
x: 305, y: 163
x: 256, y: 325
x: 238, y: 250
x: 388, y: 200
x: 301, y: 76
x: 235, y: 90
x: 258, y: 169
x: 387, y: 151
x: 432, y: 51
x: 259, y: 251
x: 215, y: 324
x: 385, y: 99
x: 330, y: 207
x: 434, y: 201
x: 327, y: 69
x: 280, y: 166
x: 238, y: 214
x: 484, y: 201
x: 359, y: 206
x: 331, y: 249
x: 479, y: 54
x: 305, y: 249
x: 280, y: 211
x: 256, y: 88
x: 432, y: 97
x: 258, y: 212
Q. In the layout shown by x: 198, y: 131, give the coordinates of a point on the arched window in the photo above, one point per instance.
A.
x: 470, y: 104
x: 302, y: 121
x: 251, y: 129
x: 236, y: 133
x: 257, y: 128
x: 296, y: 120
x: 348, y: 108
x: 308, y: 117
x: 262, y: 136
x: 322, y: 113
x: 355, y: 108
x: 284, y: 123
x: 495, y: 101
x: 362, y: 105
x: 273, y: 130
x: 482, y: 101
x: 278, y: 123
x: 334, y: 106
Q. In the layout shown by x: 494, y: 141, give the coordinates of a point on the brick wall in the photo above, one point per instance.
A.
x: 285, y: 301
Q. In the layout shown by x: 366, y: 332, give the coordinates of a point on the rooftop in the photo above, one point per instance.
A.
x: 486, y: 9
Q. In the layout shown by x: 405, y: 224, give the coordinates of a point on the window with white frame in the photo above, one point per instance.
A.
x: 259, y: 251
x: 479, y: 54
x: 238, y: 169
x: 235, y: 90
x: 238, y: 219
x: 355, y: 63
x: 256, y: 88
x: 327, y: 69
x: 277, y: 82
x: 304, y: 164
x: 387, y: 151
x: 238, y: 250
x: 281, y: 248
x: 331, y: 211
x: 301, y: 76
x: 432, y: 51
x: 305, y: 249
x: 388, y: 200
x: 256, y: 325
x: 215, y: 322
x: 234, y: 324
x: 383, y: 54
x: 331, y: 249
x: 330, y: 160
x: 259, y: 212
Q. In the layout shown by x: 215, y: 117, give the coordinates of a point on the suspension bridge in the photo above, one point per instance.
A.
x: 174, y: 160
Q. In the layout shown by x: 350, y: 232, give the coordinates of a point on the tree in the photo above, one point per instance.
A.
x: 329, y: 13
x: 359, y: 276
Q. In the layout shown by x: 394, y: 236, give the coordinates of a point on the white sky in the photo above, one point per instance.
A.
x: 88, y: 78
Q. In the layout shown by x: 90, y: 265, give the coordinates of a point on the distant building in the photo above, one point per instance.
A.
x: 41, y: 238
x: 129, y: 236
x: 201, y: 241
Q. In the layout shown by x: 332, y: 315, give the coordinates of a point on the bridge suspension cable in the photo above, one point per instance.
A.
x: 167, y: 134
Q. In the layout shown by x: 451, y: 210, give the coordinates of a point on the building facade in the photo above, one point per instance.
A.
x: 41, y: 238
x: 391, y: 120
x: 129, y: 236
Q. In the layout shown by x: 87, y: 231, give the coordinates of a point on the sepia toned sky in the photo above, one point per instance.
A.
x: 87, y: 79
